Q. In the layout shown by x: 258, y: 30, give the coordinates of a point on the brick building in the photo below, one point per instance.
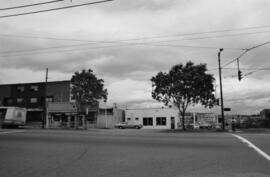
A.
x: 61, y: 109
x: 32, y: 96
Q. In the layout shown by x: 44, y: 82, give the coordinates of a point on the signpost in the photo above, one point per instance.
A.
x: 227, y: 109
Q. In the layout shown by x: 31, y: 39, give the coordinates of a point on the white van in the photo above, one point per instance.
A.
x: 12, y: 116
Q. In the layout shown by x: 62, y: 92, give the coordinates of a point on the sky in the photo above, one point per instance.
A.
x: 126, y: 42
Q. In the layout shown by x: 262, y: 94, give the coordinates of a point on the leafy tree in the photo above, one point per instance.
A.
x: 184, y: 86
x: 87, y: 89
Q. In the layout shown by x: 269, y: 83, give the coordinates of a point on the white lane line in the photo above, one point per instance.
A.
x: 251, y: 145
x: 12, y: 132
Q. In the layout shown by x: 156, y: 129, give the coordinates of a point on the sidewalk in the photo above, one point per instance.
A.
x: 256, y: 130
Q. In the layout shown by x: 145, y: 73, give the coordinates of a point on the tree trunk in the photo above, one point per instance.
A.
x: 76, y: 120
x: 183, y: 121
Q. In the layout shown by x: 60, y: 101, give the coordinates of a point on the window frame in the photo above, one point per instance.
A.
x: 21, y: 100
x: 20, y: 88
x: 33, y: 102
x: 148, y: 121
x: 34, y: 88
x: 161, y: 121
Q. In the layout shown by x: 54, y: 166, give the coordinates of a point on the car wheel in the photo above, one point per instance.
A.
x: 120, y: 127
x: 137, y: 127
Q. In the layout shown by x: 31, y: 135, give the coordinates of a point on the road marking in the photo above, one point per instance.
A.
x: 251, y: 145
x: 12, y: 132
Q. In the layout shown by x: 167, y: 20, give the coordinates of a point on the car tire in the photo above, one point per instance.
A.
x: 137, y: 127
x: 120, y: 127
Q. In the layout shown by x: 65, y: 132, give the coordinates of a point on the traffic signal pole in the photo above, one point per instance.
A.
x: 221, y: 94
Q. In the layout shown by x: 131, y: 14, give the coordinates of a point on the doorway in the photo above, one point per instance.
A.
x: 172, y: 123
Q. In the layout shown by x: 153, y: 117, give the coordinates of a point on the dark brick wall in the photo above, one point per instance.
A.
x: 60, y: 91
x: 5, y: 91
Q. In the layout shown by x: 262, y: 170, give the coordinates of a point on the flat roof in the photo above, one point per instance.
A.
x: 28, y: 83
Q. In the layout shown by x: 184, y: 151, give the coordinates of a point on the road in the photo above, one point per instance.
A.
x: 130, y: 153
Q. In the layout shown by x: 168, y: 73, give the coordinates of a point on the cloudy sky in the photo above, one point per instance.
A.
x: 125, y: 42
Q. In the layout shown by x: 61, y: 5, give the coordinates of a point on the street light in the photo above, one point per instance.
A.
x: 221, y: 94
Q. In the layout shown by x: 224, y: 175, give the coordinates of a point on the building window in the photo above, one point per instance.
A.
x: 137, y: 118
x: 128, y: 118
x: 9, y: 101
x: 19, y: 100
x: 34, y: 88
x: 20, y: 88
x: 33, y: 100
x: 49, y: 99
x: 161, y: 121
x: 147, y: 121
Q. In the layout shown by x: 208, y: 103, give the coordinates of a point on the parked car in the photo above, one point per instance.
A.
x: 205, y: 126
x: 123, y: 125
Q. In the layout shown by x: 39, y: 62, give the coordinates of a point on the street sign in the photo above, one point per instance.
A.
x: 227, y: 109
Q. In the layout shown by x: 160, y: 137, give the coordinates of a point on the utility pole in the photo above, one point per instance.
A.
x: 45, y: 101
x: 221, y: 94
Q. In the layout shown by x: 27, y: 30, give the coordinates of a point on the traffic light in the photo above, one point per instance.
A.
x: 240, y: 75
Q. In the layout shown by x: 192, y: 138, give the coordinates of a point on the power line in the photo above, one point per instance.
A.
x: 249, y: 68
x: 155, y: 43
x: 30, y: 5
x: 245, y: 51
x: 151, y: 37
x: 207, y: 32
x: 256, y: 70
x: 217, y: 36
x: 29, y: 52
x: 53, y: 9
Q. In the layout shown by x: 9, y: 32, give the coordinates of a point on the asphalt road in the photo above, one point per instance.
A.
x: 130, y: 153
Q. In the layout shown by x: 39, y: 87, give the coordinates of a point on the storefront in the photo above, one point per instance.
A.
x: 61, y: 115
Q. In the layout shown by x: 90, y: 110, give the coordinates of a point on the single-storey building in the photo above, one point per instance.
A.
x: 167, y: 118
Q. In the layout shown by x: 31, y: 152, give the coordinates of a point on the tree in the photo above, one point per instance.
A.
x: 184, y: 86
x: 87, y: 89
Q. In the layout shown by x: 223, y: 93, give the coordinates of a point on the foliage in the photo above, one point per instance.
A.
x: 184, y: 86
x: 87, y: 88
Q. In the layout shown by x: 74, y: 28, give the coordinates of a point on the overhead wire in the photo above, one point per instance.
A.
x: 30, y: 5
x: 145, y: 43
x: 256, y: 70
x: 54, y: 9
x: 29, y: 52
x: 149, y: 37
x: 156, y: 43
x: 245, y: 51
x: 122, y: 43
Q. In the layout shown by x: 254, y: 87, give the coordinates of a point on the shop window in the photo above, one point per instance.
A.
x: 34, y: 88
x: 147, y: 121
x: 19, y: 100
x: 161, y: 121
x: 106, y: 111
x: 33, y: 100
x: 20, y: 88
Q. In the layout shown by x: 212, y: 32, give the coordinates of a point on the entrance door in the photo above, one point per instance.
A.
x: 172, y: 123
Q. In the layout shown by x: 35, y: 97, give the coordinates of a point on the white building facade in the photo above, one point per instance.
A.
x: 155, y: 118
x: 167, y: 118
